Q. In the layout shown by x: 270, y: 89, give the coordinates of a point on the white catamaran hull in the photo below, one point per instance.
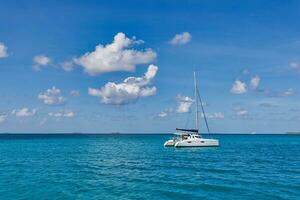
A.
x: 201, y: 142
x: 170, y: 143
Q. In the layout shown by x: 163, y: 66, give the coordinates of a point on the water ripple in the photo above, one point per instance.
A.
x: 139, y: 167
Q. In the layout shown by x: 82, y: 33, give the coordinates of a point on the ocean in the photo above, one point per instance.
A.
x: 133, y: 166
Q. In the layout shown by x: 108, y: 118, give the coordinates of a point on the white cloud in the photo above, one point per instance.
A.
x: 116, y: 56
x: 129, y: 90
x: 215, y: 115
x: 40, y: 61
x: 67, y: 66
x: 69, y: 114
x: 163, y: 114
x: 3, y: 50
x: 74, y: 93
x: 182, y: 38
x: 289, y: 92
x: 242, y: 112
x: 24, y: 112
x: 52, y: 96
x: 2, y: 118
x: 254, y: 82
x: 238, y: 87
x: 184, y: 104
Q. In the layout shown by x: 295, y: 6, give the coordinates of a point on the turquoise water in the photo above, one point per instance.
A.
x: 139, y: 167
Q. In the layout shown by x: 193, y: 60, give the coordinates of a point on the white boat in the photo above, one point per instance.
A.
x: 192, y: 137
x: 195, y: 140
x: 181, y: 135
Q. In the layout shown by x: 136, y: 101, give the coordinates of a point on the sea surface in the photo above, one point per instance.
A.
x: 136, y: 166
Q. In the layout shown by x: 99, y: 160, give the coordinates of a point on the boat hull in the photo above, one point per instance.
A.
x: 197, y: 143
x: 169, y: 143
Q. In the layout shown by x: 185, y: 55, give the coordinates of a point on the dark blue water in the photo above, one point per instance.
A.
x: 139, y: 167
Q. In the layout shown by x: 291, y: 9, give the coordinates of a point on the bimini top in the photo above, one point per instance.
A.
x: 180, y: 131
x: 187, y: 130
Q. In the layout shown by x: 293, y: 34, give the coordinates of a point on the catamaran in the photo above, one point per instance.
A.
x: 192, y: 137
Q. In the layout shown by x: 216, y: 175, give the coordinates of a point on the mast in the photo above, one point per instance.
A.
x: 196, y: 102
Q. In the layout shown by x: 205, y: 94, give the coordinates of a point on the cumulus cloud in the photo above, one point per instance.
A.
x: 2, y: 118
x: 289, y: 92
x: 3, y: 50
x: 181, y: 39
x: 52, y: 96
x: 68, y: 114
x: 129, y: 90
x: 254, y: 82
x: 40, y: 61
x: 242, y: 112
x: 215, y: 115
x: 117, y: 56
x: 74, y: 93
x: 163, y: 114
x: 238, y: 87
x: 184, y: 104
x: 67, y: 66
x: 24, y: 112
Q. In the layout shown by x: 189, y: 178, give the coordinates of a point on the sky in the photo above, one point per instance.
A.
x: 127, y: 66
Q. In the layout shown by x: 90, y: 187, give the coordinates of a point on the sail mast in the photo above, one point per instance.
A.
x: 196, y: 102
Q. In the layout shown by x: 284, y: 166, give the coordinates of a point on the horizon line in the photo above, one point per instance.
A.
x: 143, y: 133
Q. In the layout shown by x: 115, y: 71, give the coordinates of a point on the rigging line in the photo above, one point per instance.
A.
x: 203, y: 111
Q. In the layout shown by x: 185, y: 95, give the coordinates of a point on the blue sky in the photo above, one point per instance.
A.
x: 246, y: 55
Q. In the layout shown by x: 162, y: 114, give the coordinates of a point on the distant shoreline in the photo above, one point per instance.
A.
x: 293, y: 133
